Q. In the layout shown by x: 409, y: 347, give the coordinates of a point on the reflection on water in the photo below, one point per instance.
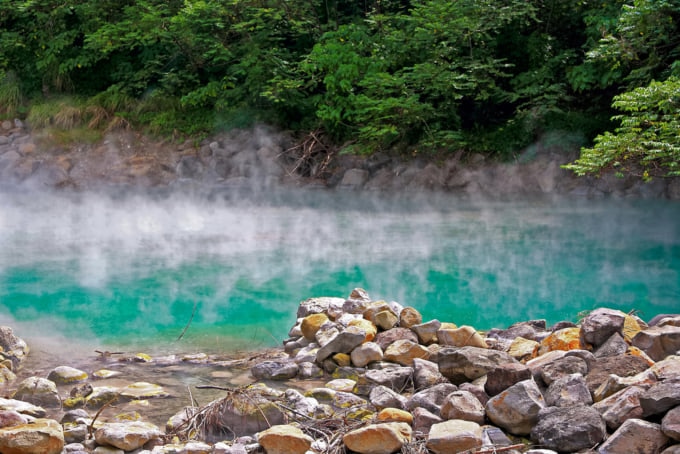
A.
x: 131, y: 269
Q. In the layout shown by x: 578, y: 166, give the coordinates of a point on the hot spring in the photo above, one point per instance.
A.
x: 184, y: 271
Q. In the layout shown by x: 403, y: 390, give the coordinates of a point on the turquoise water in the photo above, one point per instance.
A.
x: 136, y: 270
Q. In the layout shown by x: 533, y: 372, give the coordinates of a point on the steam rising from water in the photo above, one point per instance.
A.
x: 129, y: 268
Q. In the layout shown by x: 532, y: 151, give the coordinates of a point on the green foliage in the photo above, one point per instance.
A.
x: 11, y: 97
x: 647, y: 142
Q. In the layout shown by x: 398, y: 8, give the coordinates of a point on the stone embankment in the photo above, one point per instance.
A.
x: 380, y: 379
x: 260, y: 159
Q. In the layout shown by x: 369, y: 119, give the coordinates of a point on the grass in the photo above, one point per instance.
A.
x: 11, y: 97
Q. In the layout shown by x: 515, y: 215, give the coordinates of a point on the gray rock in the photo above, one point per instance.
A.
x: 354, y: 178
x: 426, y: 373
x: 22, y: 407
x: 614, y: 346
x: 462, y: 405
x: 38, y: 391
x: 600, y: 324
x: 569, y: 429
x: 454, y: 436
x: 469, y: 363
x: 366, y: 353
x: 385, y: 338
x: 384, y: 397
x: 318, y: 305
x: 423, y: 419
x: 427, y: 332
x: 660, y: 398
x: 658, y: 341
x: 432, y: 398
x: 562, y: 367
x: 127, y: 436
x: 567, y: 391
x: 675, y: 449
x: 504, y: 376
x: 623, y: 405
x: 344, y: 342
x: 622, y: 366
x: 635, y: 435
x: 275, y: 370
x: 477, y: 389
x: 309, y: 370
x: 11, y: 418
x: 670, y: 424
x: 516, y: 409
x: 357, y: 302
x: 395, y: 378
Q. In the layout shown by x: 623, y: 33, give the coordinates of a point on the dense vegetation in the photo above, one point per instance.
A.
x: 410, y: 76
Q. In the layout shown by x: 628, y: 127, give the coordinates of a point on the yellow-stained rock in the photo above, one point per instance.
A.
x: 564, y: 339
x: 465, y: 336
x: 637, y: 352
x: 630, y: 328
x: 395, y: 415
x: 63, y: 375
x: 142, y: 390
x: 44, y: 436
x: 284, y: 439
x: 404, y: 351
x: 378, y: 438
x: 311, y: 324
x: 367, y: 326
x: 523, y: 349
x: 386, y: 319
x: 342, y: 359
x: 409, y: 317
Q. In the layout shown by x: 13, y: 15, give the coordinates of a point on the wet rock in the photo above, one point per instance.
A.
x: 670, y: 425
x: 142, y: 390
x: 516, y: 409
x: 385, y: 338
x: 600, y: 324
x: 63, y: 375
x: 427, y: 332
x: 396, y: 378
x: 569, y: 429
x: 660, y: 398
x: 43, y: 436
x: 384, y: 438
x: 462, y: 405
x: 634, y: 435
x: 504, y: 376
x: 409, y: 316
x: 426, y: 374
x: 658, y: 341
x: 432, y: 398
x: 275, y: 370
x: 127, y: 436
x: 38, y: 391
x: 284, y: 439
x: 568, y: 391
x: 384, y: 397
x: 404, y: 351
x: 623, y: 405
x: 469, y: 363
x: 454, y: 436
x: 614, y: 346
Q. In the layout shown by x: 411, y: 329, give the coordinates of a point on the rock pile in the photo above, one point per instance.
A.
x: 383, y: 380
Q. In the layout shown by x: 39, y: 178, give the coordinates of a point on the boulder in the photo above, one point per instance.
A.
x: 635, y: 435
x: 426, y: 374
x: 563, y: 339
x: 275, y: 370
x: 670, y: 424
x: 523, y: 349
x: 311, y: 324
x: 427, y: 332
x: 366, y: 353
x: 396, y: 378
x: 600, y: 324
x: 614, y: 346
x: 660, y: 398
x: 38, y: 391
x: 11, y: 418
x: 394, y: 415
x: 142, y: 390
x: 568, y: 391
x: 384, y: 397
x: 22, y: 407
x: 622, y: 366
x: 432, y: 398
x: 386, y: 320
x: 357, y: 302
x: 344, y: 342
x: 658, y: 341
x: 385, y: 338
x: 409, y: 317
x: 562, y: 367
x: 504, y: 376
x: 127, y: 436
x: 424, y: 419
x: 384, y: 438
x: 318, y: 305
x: 569, y: 429
x: 404, y: 351
x: 366, y: 326
x: 461, y: 337
x: 462, y: 405
x: 516, y: 409
x: 469, y: 363
x: 454, y: 435
x: 41, y: 436
x: 284, y: 439
x: 623, y: 405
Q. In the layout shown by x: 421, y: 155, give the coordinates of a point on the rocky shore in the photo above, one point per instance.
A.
x: 365, y: 376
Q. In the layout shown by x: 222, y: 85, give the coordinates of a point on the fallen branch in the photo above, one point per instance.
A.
x: 193, y: 312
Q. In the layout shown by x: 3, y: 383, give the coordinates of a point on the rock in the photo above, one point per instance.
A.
x: 600, y: 324
x: 311, y: 324
x: 504, y: 376
x: 670, y: 424
x: 38, y: 391
x: 623, y: 405
x: 668, y: 368
x: 284, y: 439
x: 675, y: 449
x: 477, y: 390
x: 41, y: 436
x: 344, y: 342
x: 11, y: 418
x: 469, y: 363
x: 386, y: 320
x: 427, y: 332
x: 309, y: 370
x: 366, y: 326
x: 354, y: 178
x: 357, y: 302
x: 614, y: 383
x: 318, y: 305
x: 461, y: 337
x: 569, y: 429
x: 454, y: 436
x: 22, y: 407
x: 562, y: 339
x: 275, y: 370
x: 63, y: 375
x: 342, y: 384
x: 568, y: 391
x: 409, y: 317
x: 424, y: 419
x: 614, y: 346
x: 12, y: 346
x: 394, y: 415
x: 395, y: 378
x: 623, y: 366
x: 244, y: 413
x: 462, y: 405
x: 563, y: 367
x: 432, y: 398
x: 523, y: 349
x: 127, y: 436
x: 404, y: 351
x: 660, y: 398
x: 631, y: 327
x: 384, y: 438
x: 385, y: 338
x: 635, y: 435
x: 383, y: 397
x: 516, y: 409
x: 366, y: 353
x: 658, y: 341
x: 142, y: 390
x: 426, y: 374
